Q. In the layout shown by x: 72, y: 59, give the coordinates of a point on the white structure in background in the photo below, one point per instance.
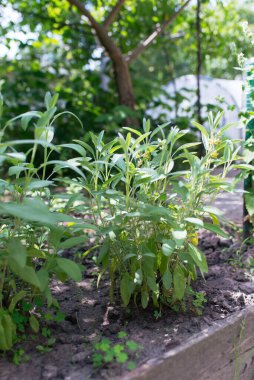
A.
x: 219, y: 92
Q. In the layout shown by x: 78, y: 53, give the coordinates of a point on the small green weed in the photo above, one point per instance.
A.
x: 198, y: 301
x: 19, y: 356
x: 106, y: 352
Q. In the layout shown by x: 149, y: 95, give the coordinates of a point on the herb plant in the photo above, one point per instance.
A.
x: 148, y: 213
x: 32, y: 232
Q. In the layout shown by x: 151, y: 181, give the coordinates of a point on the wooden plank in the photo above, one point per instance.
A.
x: 224, y: 351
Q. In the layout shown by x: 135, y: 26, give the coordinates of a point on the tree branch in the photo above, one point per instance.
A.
x: 157, y: 31
x: 84, y: 12
x: 112, y: 15
x: 101, y: 32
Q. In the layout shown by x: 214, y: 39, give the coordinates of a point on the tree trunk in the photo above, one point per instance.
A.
x: 124, y: 87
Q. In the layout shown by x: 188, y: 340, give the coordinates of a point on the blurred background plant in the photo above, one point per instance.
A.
x: 54, y: 45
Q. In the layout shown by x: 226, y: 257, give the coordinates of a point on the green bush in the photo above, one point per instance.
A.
x: 144, y: 212
x: 149, y: 215
x: 32, y: 231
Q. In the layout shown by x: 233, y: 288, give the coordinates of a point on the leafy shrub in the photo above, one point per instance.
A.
x: 32, y: 231
x: 149, y: 215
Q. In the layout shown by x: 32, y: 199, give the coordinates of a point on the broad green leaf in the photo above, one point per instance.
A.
x: 249, y: 202
x: 17, y: 252
x: 26, y: 273
x: 217, y: 230
x: 38, y: 184
x: 70, y: 268
x: 213, y: 210
x: 126, y: 288
x: 34, y: 323
x: 152, y: 284
x: 144, y: 298
x: 104, y: 250
x: 195, y: 221
x: 43, y: 278
x: 72, y: 242
x: 167, y: 279
x: 168, y: 247
x: 198, y: 257
x: 33, y: 209
x: 179, y: 283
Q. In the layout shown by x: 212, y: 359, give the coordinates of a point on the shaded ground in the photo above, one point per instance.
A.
x: 89, y: 316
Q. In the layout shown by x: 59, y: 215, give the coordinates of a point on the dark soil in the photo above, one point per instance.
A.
x: 228, y: 287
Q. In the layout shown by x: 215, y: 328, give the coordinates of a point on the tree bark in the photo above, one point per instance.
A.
x: 124, y: 86
x: 120, y: 62
x: 120, y: 66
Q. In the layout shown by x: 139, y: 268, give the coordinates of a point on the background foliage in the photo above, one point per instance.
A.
x: 55, y: 49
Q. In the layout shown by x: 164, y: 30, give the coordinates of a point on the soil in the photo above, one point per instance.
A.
x: 228, y: 287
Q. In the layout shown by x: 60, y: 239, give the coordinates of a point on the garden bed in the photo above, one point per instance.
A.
x: 89, y: 317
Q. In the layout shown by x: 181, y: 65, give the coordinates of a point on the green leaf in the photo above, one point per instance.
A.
x: 38, y: 184
x: 18, y: 297
x: 195, y: 221
x: 144, y: 298
x: 34, y: 323
x: 45, y: 118
x: 104, y: 250
x: 249, y: 202
x: 152, y: 284
x: 126, y: 288
x: 133, y: 346
x: 47, y: 99
x: 167, y: 279
x: 201, y: 128
x: 44, y: 133
x: 168, y: 247
x: 70, y: 268
x: 43, y: 278
x: 179, y: 283
x: 213, y: 210
x: 243, y: 167
x: 27, y: 117
x: 179, y: 236
x: 122, y: 334
x: 198, y: 257
x: 33, y: 209
x: 26, y: 273
x: 77, y: 147
x: 121, y: 358
x: 217, y: 230
x: 19, y: 156
x: 131, y: 365
x: 17, y: 252
x: 72, y: 242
